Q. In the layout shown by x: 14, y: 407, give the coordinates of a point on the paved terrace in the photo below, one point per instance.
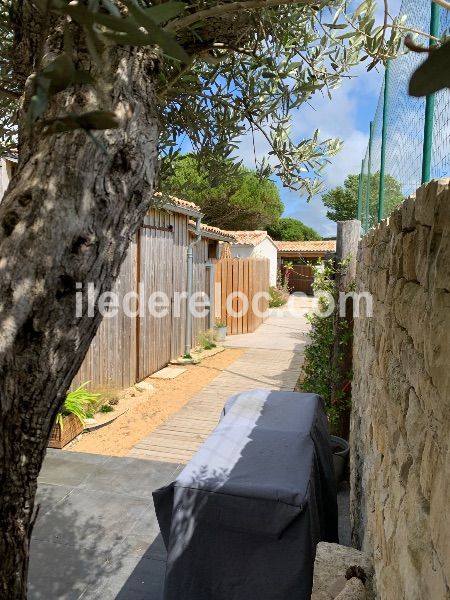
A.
x: 96, y: 536
x: 272, y: 360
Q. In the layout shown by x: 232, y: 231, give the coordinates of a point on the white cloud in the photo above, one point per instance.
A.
x: 345, y: 116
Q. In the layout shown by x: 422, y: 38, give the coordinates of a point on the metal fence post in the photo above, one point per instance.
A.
x: 383, y: 142
x: 369, y: 166
x: 429, y: 105
x: 360, y: 184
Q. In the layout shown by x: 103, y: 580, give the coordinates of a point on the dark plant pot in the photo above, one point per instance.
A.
x: 340, y: 450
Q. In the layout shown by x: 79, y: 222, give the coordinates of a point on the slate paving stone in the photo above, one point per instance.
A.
x: 60, y: 572
x: 168, y: 373
x: 97, y: 536
x: 130, y: 476
x: 138, y: 545
x: 69, y: 468
x: 91, y: 519
x: 147, y: 525
x: 48, y: 495
x: 133, y: 579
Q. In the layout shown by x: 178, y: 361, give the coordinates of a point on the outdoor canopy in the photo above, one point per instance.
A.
x: 243, y: 519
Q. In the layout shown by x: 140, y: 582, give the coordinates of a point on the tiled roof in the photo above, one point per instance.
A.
x: 178, y: 201
x: 310, y: 246
x: 225, y: 235
x: 249, y: 238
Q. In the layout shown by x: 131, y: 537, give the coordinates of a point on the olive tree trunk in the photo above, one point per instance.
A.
x: 67, y: 218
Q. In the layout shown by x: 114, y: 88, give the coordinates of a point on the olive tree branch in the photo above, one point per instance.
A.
x: 221, y: 9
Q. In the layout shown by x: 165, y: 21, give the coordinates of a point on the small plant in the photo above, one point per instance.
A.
x: 279, y: 294
x: 277, y: 297
x: 79, y: 402
x: 105, y: 408
x: 220, y: 324
x: 187, y: 356
x: 206, y: 340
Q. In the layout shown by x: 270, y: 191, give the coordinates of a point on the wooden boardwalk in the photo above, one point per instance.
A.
x: 275, y: 368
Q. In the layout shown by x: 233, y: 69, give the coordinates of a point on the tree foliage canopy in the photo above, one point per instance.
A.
x: 342, y: 201
x: 291, y: 230
x: 229, y: 69
x: 231, y: 199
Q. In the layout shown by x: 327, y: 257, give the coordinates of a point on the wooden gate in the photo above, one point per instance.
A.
x: 155, y: 266
x: 249, y: 276
x: 301, y: 278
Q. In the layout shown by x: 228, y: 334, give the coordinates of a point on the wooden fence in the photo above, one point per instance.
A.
x: 248, y: 276
x: 127, y: 349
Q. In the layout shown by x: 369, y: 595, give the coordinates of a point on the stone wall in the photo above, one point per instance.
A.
x: 400, y: 466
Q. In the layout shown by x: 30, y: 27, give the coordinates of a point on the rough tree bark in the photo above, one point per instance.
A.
x: 68, y: 216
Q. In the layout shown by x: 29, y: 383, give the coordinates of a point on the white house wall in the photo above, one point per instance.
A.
x: 265, y: 249
x: 241, y: 250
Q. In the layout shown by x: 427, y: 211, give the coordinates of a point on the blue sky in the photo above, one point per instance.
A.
x: 346, y: 116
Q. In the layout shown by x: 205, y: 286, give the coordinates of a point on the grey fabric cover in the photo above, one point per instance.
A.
x: 242, y: 520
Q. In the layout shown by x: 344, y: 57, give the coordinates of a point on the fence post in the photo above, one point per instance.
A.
x: 383, y: 141
x: 360, y: 184
x: 369, y: 166
x: 429, y: 105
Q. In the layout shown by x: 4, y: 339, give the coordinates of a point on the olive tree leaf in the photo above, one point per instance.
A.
x: 160, y: 37
x: 55, y: 77
x: 160, y: 13
x: 138, y: 38
x: 60, y: 73
x: 433, y: 74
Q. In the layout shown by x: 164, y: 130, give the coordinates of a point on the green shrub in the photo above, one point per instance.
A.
x: 106, y: 408
x: 278, y: 297
x: 279, y: 294
x: 318, y: 375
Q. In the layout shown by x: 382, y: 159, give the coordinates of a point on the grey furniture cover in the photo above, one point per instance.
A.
x: 242, y: 520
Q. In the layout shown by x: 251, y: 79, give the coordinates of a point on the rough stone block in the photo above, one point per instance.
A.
x: 407, y: 212
x: 331, y: 564
x: 442, y: 212
x: 396, y: 256
x: 354, y: 590
x: 427, y: 202
x: 409, y: 247
x: 395, y: 220
x: 440, y: 268
x: 422, y: 254
x: 437, y: 343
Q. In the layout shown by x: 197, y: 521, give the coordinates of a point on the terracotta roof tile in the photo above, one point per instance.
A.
x: 178, y: 201
x: 249, y: 238
x: 215, y: 230
x: 307, y: 246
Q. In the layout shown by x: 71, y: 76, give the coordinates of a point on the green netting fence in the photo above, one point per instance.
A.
x: 409, y: 141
